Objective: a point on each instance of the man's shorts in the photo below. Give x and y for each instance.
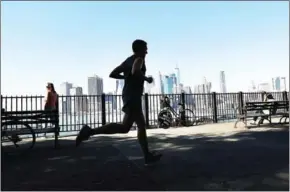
(132, 107)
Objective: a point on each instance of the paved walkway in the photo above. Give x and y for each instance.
(207, 157)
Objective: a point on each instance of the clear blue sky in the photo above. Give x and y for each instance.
(69, 41)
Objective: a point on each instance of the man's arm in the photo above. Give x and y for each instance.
(116, 73)
(137, 66)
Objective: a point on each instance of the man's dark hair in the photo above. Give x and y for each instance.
(138, 45)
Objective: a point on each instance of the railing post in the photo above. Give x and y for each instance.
(57, 117)
(241, 101)
(2, 102)
(103, 100)
(146, 109)
(284, 96)
(263, 95)
(214, 107)
(183, 107)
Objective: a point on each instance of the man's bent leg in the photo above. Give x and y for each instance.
(114, 128)
(111, 128)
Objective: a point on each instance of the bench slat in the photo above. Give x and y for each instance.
(24, 131)
(29, 112)
(28, 122)
(44, 130)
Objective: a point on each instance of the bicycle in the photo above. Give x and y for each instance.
(183, 117)
(13, 138)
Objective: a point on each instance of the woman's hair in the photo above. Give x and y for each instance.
(51, 87)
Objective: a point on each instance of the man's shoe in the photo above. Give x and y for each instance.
(15, 138)
(83, 135)
(152, 158)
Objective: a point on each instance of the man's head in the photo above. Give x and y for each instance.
(139, 47)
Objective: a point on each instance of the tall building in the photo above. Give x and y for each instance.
(111, 100)
(95, 90)
(189, 99)
(77, 99)
(168, 82)
(175, 85)
(76, 91)
(178, 76)
(273, 84)
(277, 84)
(119, 86)
(205, 89)
(118, 99)
(264, 87)
(85, 103)
(65, 88)
(161, 83)
(223, 88)
(95, 85)
(65, 102)
(283, 82)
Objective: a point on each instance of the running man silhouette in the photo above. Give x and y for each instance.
(133, 69)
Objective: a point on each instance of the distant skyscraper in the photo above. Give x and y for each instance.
(119, 86)
(161, 83)
(277, 84)
(95, 85)
(85, 103)
(189, 99)
(95, 89)
(175, 85)
(77, 99)
(178, 76)
(204, 89)
(65, 102)
(264, 87)
(283, 80)
(118, 102)
(65, 88)
(168, 84)
(110, 101)
(223, 88)
(76, 91)
(273, 84)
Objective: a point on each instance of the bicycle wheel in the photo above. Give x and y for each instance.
(189, 118)
(17, 139)
(164, 119)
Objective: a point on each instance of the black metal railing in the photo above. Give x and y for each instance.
(97, 110)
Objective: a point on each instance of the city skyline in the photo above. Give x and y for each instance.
(67, 41)
(168, 84)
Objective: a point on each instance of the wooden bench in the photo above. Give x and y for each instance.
(34, 119)
(258, 109)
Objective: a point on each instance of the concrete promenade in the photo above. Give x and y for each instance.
(205, 157)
